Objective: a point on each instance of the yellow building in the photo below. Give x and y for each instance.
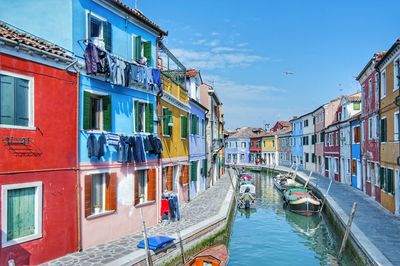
(389, 69)
(269, 148)
(173, 109)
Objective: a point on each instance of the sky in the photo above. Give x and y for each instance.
(244, 48)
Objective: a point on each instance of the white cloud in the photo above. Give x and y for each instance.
(214, 33)
(212, 43)
(198, 42)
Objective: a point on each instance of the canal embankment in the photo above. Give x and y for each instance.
(204, 221)
(375, 232)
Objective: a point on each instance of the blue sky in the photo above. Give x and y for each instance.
(243, 48)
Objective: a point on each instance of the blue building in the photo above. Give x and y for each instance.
(356, 135)
(112, 188)
(237, 146)
(297, 142)
(197, 136)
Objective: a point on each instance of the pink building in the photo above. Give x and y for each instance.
(369, 79)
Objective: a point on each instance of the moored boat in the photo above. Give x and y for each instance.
(302, 201)
(215, 256)
(283, 182)
(247, 196)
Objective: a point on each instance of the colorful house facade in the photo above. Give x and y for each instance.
(255, 148)
(332, 151)
(319, 117)
(38, 166)
(389, 69)
(269, 148)
(297, 142)
(369, 81)
(356, 169)
(309, 141)
(284, 146)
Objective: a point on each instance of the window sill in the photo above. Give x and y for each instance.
(21, 240)
(18, 127)
(145, 204)
(97, 215)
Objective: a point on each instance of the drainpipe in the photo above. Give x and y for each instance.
(78, 180)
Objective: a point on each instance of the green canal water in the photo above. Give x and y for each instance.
(272, 235)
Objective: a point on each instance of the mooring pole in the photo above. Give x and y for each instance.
(308, 180)
(327, 192)
(346, 234)
(149, 262)
(181, 244)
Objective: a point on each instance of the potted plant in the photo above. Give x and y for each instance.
(97, 208)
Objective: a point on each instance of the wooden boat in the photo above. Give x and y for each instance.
(247, 202)
(283, 182)
(301, 201)
(213, 256)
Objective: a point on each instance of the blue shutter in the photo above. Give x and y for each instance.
(7, 100)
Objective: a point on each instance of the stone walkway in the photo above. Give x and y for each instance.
(204, 206)
(381, 227)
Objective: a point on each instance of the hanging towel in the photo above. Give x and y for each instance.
(101, 142)
(112, 139)
(157, 79)
(92, 145)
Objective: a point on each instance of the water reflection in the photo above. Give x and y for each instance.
(272, 235)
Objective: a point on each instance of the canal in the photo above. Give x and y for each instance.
(272, 235)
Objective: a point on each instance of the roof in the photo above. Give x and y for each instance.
(355, 97)
(285, 123)
(375, 58)
(20, 37)
(138, 15)
(388, 53)
(243, 133)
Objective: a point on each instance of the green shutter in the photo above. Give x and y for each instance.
(183, 127)
(390, 181)
(383, 130)
(205, 168)
(170, 121)
(149, 118)
(20, 212)
(138, 47)
(193, 171)
(356, 106)
(7, 100)
(382, 177)
(165, 121)
(147, 52)
(86, 110)
(107, 113)
(136, 114)
(107, 35)
(21, 102)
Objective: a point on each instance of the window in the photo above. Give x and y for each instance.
(356, 134)
(377, 180)
(242, 157)
(273, 143)
(145, 185)
(387, 180)
(363, 131)
(383, 84)
(141, 49)
(203, 127)
(16, 100)
(336, 165)
(396, 126)
(396, 71)
(100, 193)
(326, 159)
(243, 145)
(144, 117)
(101, 29)
(313, 158)
(322, 136)
(306, 155)
(356, 106)
(193, 171)
(370, 128)
(229, 157)
(306, 123)
(184, 127)
(168, 122)
(369, 171)
(97, 112)
(337, 139)
(383, 129)
(194, 124)
(348, 166)
(21, 213)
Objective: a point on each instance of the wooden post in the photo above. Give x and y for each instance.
(327, 192)
(346, 234)
(181, 244)
(149, 262)
(308, 180)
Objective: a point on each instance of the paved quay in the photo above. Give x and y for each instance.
(194, 215)
(374, 228)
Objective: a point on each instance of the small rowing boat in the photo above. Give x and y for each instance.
(213, 256)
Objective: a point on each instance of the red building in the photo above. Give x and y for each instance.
(332, 151)
(369, 80)
(38, 166)
(280, 125)
(255, 148)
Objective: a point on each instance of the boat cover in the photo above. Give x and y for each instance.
(156, 242)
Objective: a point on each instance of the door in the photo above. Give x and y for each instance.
(359, 175)
(343, 171)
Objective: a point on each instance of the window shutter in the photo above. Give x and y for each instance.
(107, 35)
(136, 196)
(138, 48)
(86, 110)
(193, 171)
(170, 121)
(136, 116)
(390, 180)
(21, 105)
(149, 118)
(382, 177)
(185, 175)
(111, 192)
(88, 195)
(147, 52)
(7, 100)
(205, 168)
(107, 113)
(169, 178)
(151, 184)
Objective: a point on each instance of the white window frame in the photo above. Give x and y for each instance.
(396, 126)
(383, 84)
(146, 179)
(38, 212)
(87, 12)
(31, 100)
(144, 117)
(104, 185)
(395, 83)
